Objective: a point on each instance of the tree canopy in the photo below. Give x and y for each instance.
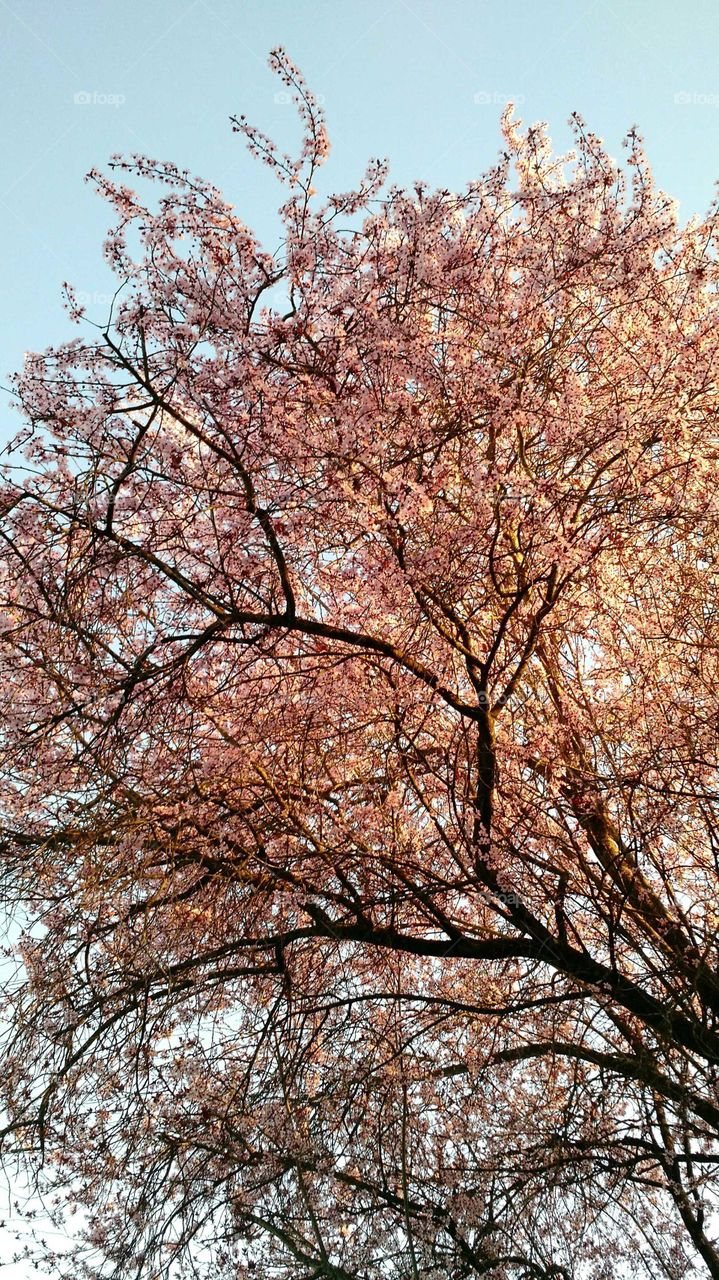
(358, 762)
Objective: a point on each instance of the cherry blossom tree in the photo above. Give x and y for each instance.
(360, 697)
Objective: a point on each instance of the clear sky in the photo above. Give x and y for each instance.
(421, 81)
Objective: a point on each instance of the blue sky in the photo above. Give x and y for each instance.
(421, 81)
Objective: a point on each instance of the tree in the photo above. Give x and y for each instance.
(359, 725)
